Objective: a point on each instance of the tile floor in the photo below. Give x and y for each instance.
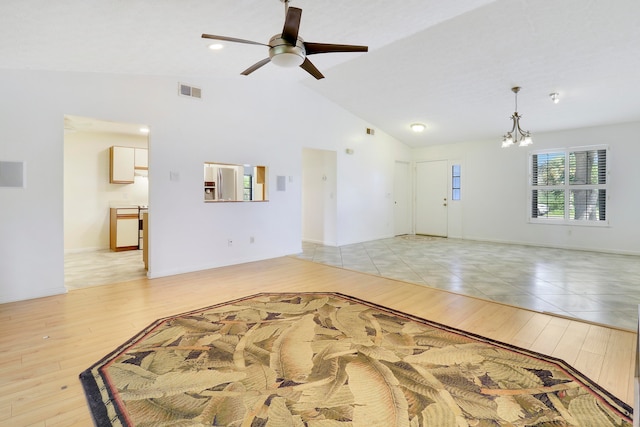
(84, 269)
(603, 288)
(597, 287)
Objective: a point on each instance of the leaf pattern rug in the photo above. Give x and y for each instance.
(331, 360)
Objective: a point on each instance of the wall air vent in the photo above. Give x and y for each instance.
(191, 91)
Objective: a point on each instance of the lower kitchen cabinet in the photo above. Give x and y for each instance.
(124, 233)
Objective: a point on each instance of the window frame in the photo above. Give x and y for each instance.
(567, 187)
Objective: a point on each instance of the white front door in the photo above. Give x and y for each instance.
(401, 200)
(431, 198)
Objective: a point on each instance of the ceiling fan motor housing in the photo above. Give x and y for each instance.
(284, 54)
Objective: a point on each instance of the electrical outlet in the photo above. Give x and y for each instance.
(229, 242)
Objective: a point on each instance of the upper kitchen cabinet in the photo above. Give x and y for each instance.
(124, 163)
(141, 159)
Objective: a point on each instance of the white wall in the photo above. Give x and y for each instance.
(365, 187)
(88, 195)
(494, 190)
(239, 120)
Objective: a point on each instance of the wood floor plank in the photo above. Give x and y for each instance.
(546, 343)
(39, 382)
(531, 331)
(597, 339)
(571, 342)
(619, 354)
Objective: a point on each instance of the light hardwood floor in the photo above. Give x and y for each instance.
(46, 343)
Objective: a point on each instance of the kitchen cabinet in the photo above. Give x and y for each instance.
(125, 162)
(124, 229)
(122, 165)
(141, 159)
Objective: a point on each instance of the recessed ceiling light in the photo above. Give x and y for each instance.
(216, 46)
(144, 130)
(417, 127)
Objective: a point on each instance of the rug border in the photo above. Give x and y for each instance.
(89, 384)
(99, 410)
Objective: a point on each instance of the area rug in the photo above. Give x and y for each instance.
(331, 360)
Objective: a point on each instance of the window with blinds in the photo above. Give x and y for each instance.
(569, 185)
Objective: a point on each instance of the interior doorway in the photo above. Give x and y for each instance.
(319, 194)
(89, 196)
(431, 198)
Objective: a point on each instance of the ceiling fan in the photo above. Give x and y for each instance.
(290, 50)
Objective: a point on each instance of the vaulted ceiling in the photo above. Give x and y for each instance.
(449, 65)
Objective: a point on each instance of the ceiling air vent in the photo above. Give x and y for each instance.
(186, 90)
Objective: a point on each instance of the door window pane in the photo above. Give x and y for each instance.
(455, 182)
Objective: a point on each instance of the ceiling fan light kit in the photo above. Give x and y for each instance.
(285, 55)
(288, 49)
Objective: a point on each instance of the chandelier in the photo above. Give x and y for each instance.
(516, 134)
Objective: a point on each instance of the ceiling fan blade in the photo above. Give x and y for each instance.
(231, 39)
(292, 25)
(255, 66)
(311, 69)
(314, 48)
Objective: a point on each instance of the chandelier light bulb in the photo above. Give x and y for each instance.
(507, 141)
(526, 141)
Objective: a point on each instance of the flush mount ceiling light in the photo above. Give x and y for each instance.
(555, 97)
(417, 127)
(144, 130)
(516, 134)
(216, 46)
